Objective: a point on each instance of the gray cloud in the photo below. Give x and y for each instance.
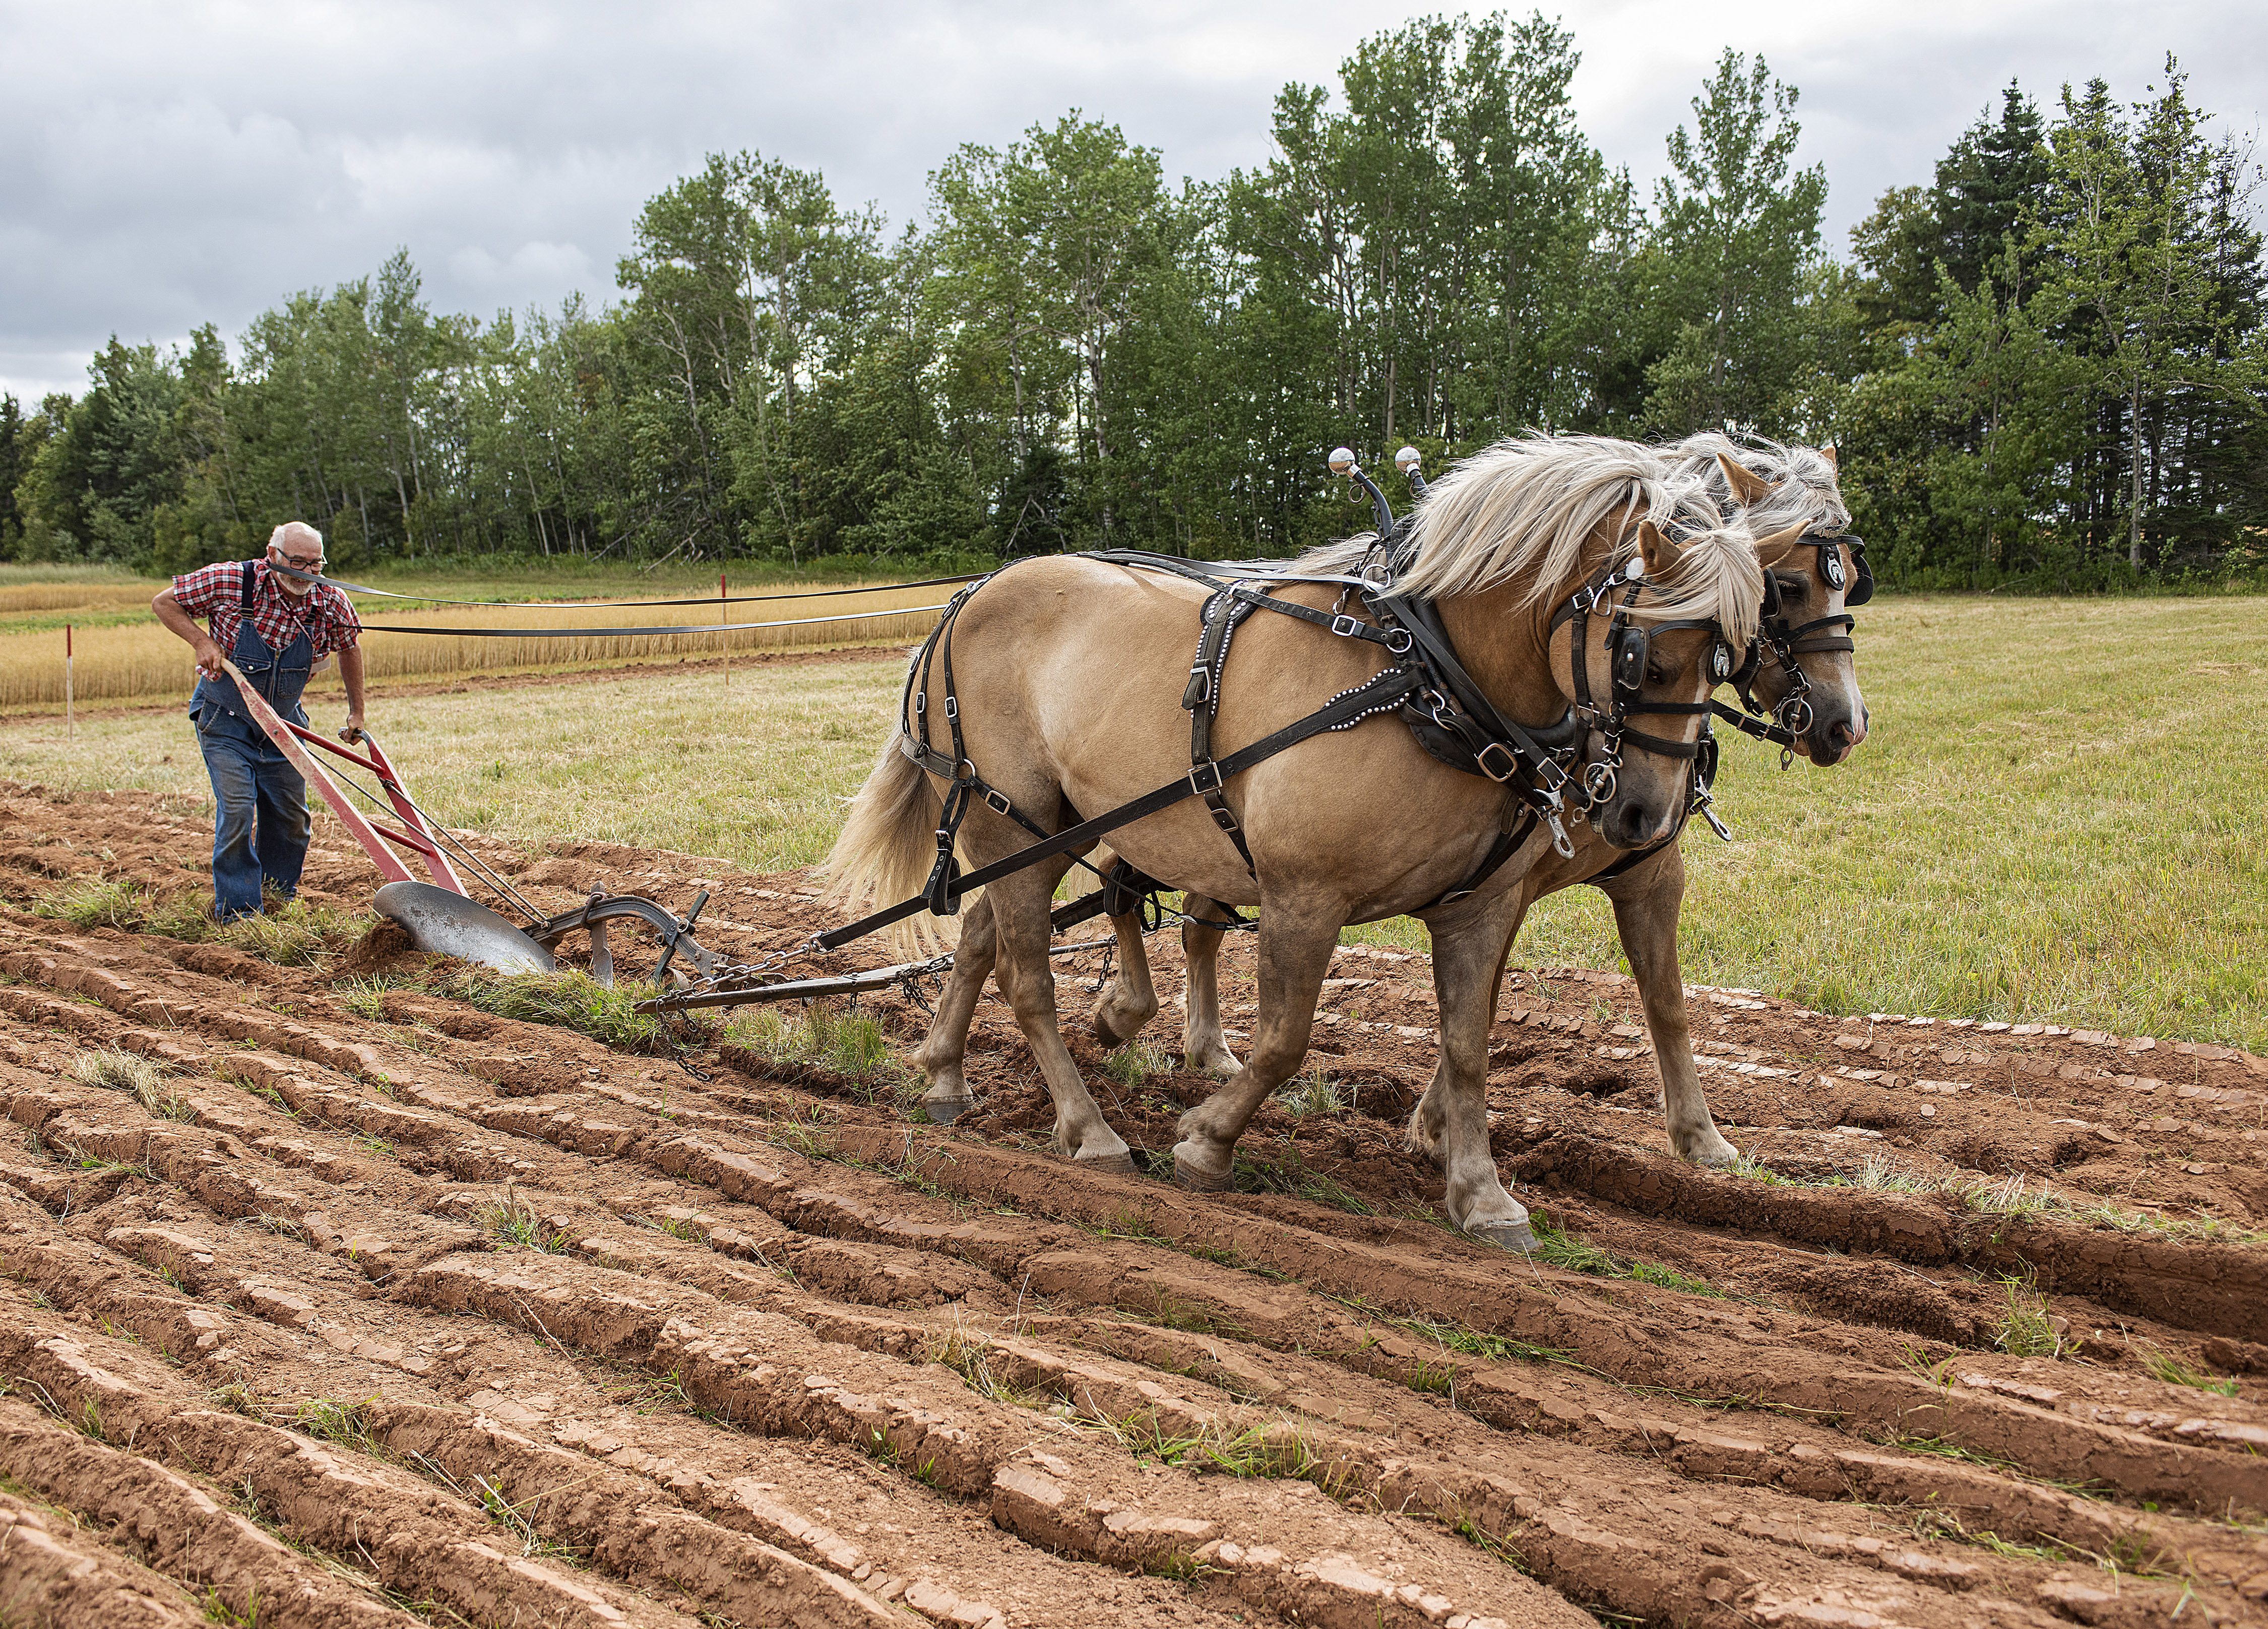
(172, 164)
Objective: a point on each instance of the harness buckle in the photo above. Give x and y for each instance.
(1223, 819)
(953, 707)
(1345, 626)
(1199, 787)
(1508, 755)
(1199, 692)
(1399, 641)
(998, 801)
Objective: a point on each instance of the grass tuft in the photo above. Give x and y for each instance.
(840, 1041)
(1314, 1091)
(116, 1071)
(513, 1220)
(569, 998)
(2175, 1370)
(1134, 1062)
(1571, 1253)
(2021, 1327)
(96, 902)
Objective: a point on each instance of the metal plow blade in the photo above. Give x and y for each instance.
(455, 925)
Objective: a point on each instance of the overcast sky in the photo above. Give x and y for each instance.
(171, 164)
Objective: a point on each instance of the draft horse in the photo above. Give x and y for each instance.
(1065, 679)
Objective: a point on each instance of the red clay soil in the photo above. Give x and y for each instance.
(365, 1306)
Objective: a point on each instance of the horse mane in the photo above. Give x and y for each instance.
(1524, 509)
(1806, 487)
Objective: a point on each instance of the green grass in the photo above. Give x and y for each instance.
(840, 1041)
(116, 1071)
(2055, 818)
(569, 998)
(1571, 1253)
(512, 1220)
(2175, 1370)
(2021, 1326)
(288, 933)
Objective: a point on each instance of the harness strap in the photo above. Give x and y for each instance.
(1202, 697)
(1343, 711)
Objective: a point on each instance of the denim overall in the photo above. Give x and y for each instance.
(260, 822)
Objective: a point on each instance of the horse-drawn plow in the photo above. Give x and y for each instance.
(489, 1321)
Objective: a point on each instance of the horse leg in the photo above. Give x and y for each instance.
(1451, 1119)
(1203, 1047)
(1295, 953)
(946, 1044)
(1131, 1000)
(1020, 913)
(1647, 902)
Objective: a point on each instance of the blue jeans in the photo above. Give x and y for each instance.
(260, 824)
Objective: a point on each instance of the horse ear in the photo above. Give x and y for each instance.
(1771, 550)
(1659, 553)
(1828, 453)
(1746, 485)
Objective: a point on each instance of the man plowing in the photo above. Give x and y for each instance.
(272, 620)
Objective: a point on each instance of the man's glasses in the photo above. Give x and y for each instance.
(297, 564)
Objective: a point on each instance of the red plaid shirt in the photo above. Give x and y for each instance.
(217, 591)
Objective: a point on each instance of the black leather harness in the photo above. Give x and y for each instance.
(1791, 717)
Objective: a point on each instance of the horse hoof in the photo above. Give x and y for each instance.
(944, 1111)
(1119, 1165)
(1507, 1236)
(1202, 1181)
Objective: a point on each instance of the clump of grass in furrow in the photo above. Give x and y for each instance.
(289, 933)
(115, 1070)
(1314, 1091)
(365, 998)
(569, 998)
(1292, 1176)
(2175, 1370)
(513, 1220)
(2011, 1196)
(1278, 1450)
(96, 902)
(971, 1357)
(2021, 1327)
(1134, 1062)
(842, 1042)
(1572, 1253)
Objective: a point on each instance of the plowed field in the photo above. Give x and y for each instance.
(371, 1306)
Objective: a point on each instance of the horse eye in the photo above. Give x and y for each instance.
(1655, 675)
(1793, 588)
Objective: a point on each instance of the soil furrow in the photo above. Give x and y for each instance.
(1974, 1343)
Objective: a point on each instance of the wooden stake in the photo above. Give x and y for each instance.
(724, 641)
(70, 723)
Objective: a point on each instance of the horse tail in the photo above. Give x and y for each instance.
(888, 847)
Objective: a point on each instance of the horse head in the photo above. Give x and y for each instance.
(1638, 649)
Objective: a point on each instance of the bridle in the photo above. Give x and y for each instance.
(1615, 591)
(1791, 717)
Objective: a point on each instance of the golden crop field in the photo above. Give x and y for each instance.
(122, 654)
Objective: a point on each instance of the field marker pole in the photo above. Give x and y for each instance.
(70, 723)
(724, 609)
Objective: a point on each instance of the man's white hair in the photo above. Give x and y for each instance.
(294, 531)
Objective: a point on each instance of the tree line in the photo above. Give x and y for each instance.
(2048, 367)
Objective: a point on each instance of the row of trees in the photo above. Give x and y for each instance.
(2046, 366)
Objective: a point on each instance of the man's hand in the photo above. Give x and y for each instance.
(207, 655)
(352, 733)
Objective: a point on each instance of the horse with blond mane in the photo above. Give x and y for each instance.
(1066, 677)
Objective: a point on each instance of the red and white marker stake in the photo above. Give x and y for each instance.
(70, 724)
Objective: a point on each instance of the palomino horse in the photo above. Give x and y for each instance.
(1069, 674)
(1791, 493)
